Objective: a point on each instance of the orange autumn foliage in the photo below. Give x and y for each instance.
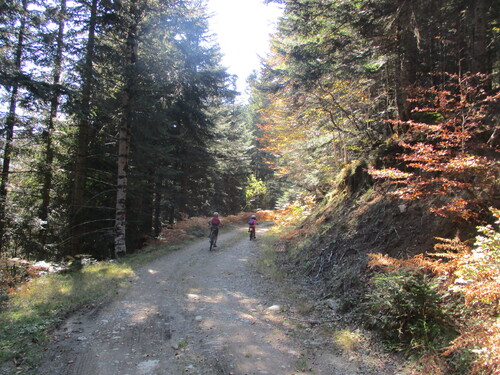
(446, 157)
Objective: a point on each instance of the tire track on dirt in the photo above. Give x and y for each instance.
(192, 312)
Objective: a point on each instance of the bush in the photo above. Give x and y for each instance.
(404, 307)
(406, 303)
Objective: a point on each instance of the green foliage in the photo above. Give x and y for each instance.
(427, 117)
(463, 293)
(255, 192)
(348, 340)
(480, 270)
(374, 66)
(405, 308)
(476, 280)
(338, 85)
(232, 151)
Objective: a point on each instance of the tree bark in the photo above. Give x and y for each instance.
(406, 56)
(125, 135)
(47, 134)
(121, 186)
(479, 53)
(157, 207)
(9, 125)
(80, 169)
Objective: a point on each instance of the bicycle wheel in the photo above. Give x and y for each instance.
(212, 240)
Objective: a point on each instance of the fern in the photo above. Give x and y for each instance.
(465, 275)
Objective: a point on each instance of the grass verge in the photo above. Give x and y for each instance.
(267, 264)
(37, 307)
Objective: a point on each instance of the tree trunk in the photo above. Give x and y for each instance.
(9, 125)
(406, 57)
(121, 186)
(77, 199)
(171, 214)
(47, 134)
(479, 53)
(125, 135)
(146, 223)
(157, 208)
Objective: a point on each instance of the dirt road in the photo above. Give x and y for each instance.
(199, 312)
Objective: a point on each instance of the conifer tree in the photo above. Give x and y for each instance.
(83, 133)
(10, 121)
(47, 134)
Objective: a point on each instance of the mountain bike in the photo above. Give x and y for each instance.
(251, 230)
(214, 232)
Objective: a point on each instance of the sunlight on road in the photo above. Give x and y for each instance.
(139, 313)
(234, 319)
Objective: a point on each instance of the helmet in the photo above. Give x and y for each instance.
(216, 214)
(253, 217)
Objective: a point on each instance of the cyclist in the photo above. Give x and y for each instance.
(252, 224)
(214, 224)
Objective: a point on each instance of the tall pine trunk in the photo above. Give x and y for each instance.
(479, 54)
(121, 186)
(10, 124)
(406, 56)
(125, 134)
(157, 206)
(47, 134)
(80, 169)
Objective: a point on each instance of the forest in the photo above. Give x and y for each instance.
(119, 119)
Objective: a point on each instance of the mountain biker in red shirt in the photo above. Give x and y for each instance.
(214, 224)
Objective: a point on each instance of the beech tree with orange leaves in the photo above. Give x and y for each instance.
(447, 154)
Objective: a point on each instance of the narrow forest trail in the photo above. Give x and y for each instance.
(198, 312)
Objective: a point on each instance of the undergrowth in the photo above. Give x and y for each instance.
(463, 288)
(404, 306)
(348, 340)
(267, 263)
(442, 308)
